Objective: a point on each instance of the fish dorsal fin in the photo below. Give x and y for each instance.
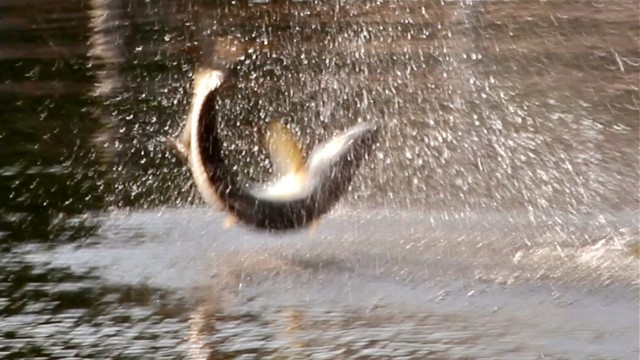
(285, 152)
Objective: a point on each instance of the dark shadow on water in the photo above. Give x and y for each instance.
(77, 314)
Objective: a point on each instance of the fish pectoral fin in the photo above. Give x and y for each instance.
(229, 221)
(313, 227)
(178, 147)
(284, 150)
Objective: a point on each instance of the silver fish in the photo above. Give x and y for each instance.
(302, 191)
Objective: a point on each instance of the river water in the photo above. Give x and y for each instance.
(498, 218)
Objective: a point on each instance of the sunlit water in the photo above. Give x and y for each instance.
(498, 218)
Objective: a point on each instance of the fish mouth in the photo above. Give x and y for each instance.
(295, 199)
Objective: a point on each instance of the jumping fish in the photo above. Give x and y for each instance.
(301, 192)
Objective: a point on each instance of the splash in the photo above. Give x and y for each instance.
(482, 110)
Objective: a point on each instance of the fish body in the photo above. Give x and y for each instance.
(302, 191)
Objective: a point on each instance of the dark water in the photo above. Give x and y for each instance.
(499, 219)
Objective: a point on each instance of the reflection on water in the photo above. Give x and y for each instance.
(505, 187)
(194, 289)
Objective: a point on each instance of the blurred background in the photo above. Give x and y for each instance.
(499, 216)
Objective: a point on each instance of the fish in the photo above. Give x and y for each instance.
(302, 190)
